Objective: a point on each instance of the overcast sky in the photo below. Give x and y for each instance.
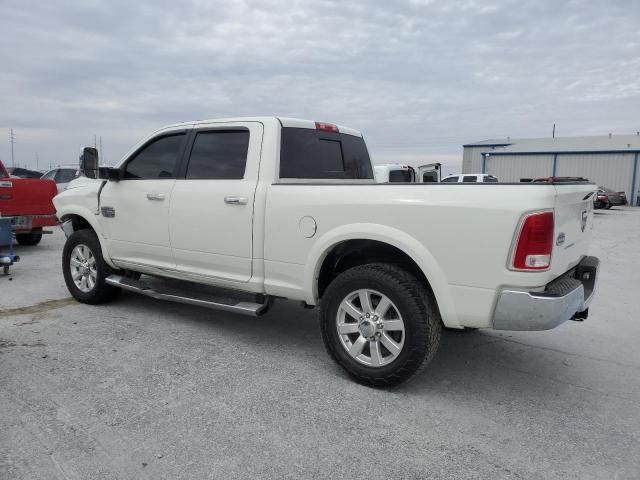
(418, 77)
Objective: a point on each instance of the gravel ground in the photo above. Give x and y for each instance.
(145, 389)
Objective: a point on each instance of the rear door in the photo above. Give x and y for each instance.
(211, 217)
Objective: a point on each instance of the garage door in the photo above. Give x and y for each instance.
(511, 168)
(614, 171)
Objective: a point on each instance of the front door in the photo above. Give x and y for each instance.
(211, 217)
(134, 212)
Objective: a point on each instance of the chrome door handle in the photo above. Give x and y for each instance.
(155, 196)
(232, 200)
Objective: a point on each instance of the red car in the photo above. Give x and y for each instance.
(29, 202)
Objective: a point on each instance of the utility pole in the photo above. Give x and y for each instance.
(12, 140)
(553, 134)
(100, 156)
(37, 161)
(95, 141)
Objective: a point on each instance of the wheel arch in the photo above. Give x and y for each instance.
(371, 242)
(82, 219)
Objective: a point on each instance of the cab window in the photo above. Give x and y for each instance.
(453, 179)
(157, 159)
(219, 154)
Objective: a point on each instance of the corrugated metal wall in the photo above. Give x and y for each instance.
(611, 170)
(472, 159)
(511, 168)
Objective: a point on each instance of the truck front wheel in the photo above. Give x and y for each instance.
(380, 324)
(85, 270)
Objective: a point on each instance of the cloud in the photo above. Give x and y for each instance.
(419, 78)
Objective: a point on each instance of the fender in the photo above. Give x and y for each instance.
(90, 216)
(394, 237)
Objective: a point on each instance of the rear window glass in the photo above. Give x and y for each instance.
(489, 178)
(65, 175)
(308, 153)
(399, 176)
(469, 178)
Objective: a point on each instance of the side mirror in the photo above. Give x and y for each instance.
(89, 162)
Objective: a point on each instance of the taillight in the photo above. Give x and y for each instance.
(622, 194)
(535, 242)
(327, 127)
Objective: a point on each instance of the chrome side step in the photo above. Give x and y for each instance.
(241, 307)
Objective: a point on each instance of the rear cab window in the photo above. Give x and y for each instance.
(306, 153)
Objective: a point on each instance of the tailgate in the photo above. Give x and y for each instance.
(27, 196)
(573, 224)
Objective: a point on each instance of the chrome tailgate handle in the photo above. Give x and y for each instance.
(233, 200)
(155, 196)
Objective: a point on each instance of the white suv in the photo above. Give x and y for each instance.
(469, 178)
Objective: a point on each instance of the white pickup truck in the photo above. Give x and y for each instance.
(233, 213)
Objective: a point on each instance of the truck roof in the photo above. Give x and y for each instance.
(284, 121)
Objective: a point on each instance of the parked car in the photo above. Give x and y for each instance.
(469, 178)
(601, 201)
(396, 173)
(613, 197)
(63, 176)
(29, 203)
(275, 208)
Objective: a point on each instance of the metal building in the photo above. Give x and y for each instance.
(610, 160)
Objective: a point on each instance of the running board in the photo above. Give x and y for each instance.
(240, 307)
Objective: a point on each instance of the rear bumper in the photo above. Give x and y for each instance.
(30, 222)
(567, 297)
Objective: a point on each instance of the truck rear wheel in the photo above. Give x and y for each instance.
(28, 239)
(85, 270)
(380, 324)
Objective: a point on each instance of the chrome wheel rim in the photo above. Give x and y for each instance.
(370, 328)
(83, 268)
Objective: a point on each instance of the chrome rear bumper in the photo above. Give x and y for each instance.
(567, 297)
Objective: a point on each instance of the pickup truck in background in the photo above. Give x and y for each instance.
(29, 201)
(397, 173)
(234, 213)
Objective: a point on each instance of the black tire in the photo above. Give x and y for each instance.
(413, 300)
(28, 239)
(101, 291)
(609, 205)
